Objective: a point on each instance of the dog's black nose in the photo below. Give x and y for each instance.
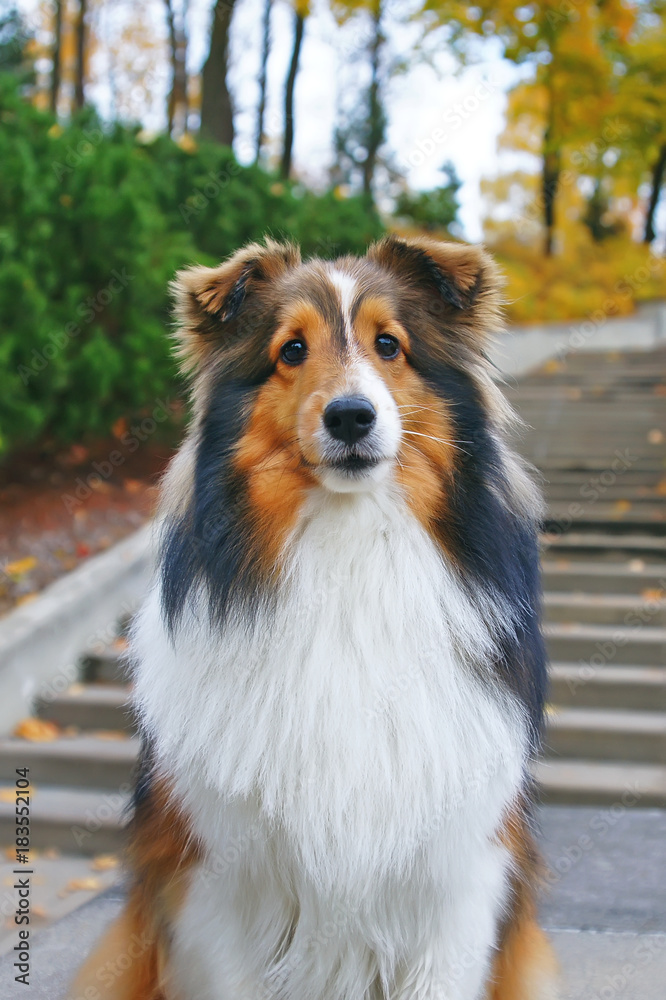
(349, 418)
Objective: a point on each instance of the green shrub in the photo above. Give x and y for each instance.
(93, 224)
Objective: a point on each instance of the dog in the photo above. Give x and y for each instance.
(339, 671)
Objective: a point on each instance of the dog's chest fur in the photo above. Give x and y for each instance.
(350, 741)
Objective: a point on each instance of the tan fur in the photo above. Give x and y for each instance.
(130, 962)
(525, 966)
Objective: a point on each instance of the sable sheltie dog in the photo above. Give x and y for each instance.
(339, 671)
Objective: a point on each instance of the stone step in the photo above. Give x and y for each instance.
(598, 463)
(81, 761)
(90, 706)
(602, 544)
(630, 576)
(592, 519)
(73, 820)
(584, 493)
(107, 667)
(604, 609)
(620, 784)
(642, 645)
(606, 734)
(582, 516)
(574, 685)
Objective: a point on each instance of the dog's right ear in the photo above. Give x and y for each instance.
(209, 300)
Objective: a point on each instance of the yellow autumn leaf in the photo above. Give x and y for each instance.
(26, 599)
(187, 143)
(87, 884)
(37, 730)
(621, 506)
(104, 863)
(20, 566)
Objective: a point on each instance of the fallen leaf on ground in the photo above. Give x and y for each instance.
(39, 911)
(119, 427)
(655, 436)
(88, 884)
(653, 594)
(52, 853)
(37, 730)
(20, 566)
(621, 506)
(109, 734)
(104, 863)
(8, 795)
(26, 598)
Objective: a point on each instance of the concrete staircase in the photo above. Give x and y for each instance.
(82, 780)
(596, 433)
(604, 574)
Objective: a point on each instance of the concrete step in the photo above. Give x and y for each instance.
(632, 576)
(90, 706)
(585, 493)
(73, 820)
(604, 609)
(106, 667)
(603, 783)
(574, 685)
(600, 644)
(602, 544)
(606, 734)
(609, 516)
(80, 761)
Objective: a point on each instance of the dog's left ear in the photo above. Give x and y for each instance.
(462, 281)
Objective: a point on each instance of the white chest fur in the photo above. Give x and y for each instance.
(350, 748)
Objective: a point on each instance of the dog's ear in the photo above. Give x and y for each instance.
(461, 281)
(209, 300)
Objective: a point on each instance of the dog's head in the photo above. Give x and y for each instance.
(339, 359)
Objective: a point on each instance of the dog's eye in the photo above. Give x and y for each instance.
(387, 346)
(294, 352)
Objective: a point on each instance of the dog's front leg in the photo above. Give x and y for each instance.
(455, 960)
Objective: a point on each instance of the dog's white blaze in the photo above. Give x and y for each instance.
(345, 286)
(346, 764)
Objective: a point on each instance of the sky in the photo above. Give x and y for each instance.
(436, 111)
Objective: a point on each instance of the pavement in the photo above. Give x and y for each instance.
(604, 909)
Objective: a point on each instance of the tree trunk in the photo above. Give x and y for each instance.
(287, 150)
(265, 49)
(658, 173)
(549, 182)
(173, 54)
(217, 120)
(79, 69)
(550, 171)
(57, 52)
(375, 109)
(178, 57)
